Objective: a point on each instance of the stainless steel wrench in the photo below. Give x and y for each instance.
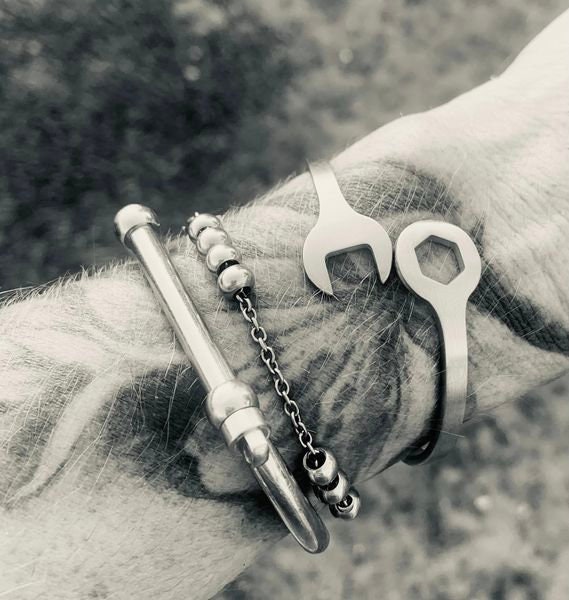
(449, 304)
(339, 229)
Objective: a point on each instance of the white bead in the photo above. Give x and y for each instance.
(333, 495)
(199, 222)
(234, 279)
(326, 471)
(352, 508)
(219, 254)
(209, 237)
(227, 398)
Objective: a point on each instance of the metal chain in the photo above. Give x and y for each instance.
(282, 386)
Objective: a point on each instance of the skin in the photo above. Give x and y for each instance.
(112, 482)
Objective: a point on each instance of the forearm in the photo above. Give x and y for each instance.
(96, 385)
(108, 461)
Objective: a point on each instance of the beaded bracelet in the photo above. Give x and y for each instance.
(330, 483)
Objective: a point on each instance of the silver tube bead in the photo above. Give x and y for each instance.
(209, 237)
(235, 278)
(219, 254)
(333, 495)
(349, 507)
(199, 222)
(326, 471)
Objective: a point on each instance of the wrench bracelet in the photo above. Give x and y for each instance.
(232, 406)
(340, 228)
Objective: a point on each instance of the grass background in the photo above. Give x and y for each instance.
(195, 104)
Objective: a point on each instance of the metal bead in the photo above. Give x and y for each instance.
(333, 495)
(227, 398)
(235, 278)
(352, 508)
(327, 470)
(199, 222)
(209, 237)
(219, 254)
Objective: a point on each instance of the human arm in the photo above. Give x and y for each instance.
(110, 474)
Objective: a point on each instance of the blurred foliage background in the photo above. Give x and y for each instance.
(195, 104)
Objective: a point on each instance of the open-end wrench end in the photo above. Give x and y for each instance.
(381, 249)
(367, 234)
(340, 229)
(317, 271)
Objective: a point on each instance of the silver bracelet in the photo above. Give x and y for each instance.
(232, 406)
(331, 485)
(448, 301)
(340, 229)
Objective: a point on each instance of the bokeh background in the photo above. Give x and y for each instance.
(195, 104)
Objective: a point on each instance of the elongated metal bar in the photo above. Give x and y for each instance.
(191, 332)
(136, 227)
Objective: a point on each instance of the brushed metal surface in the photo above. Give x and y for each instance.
(448, 302)
(339, 229)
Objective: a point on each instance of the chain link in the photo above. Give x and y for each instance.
(282, 386)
